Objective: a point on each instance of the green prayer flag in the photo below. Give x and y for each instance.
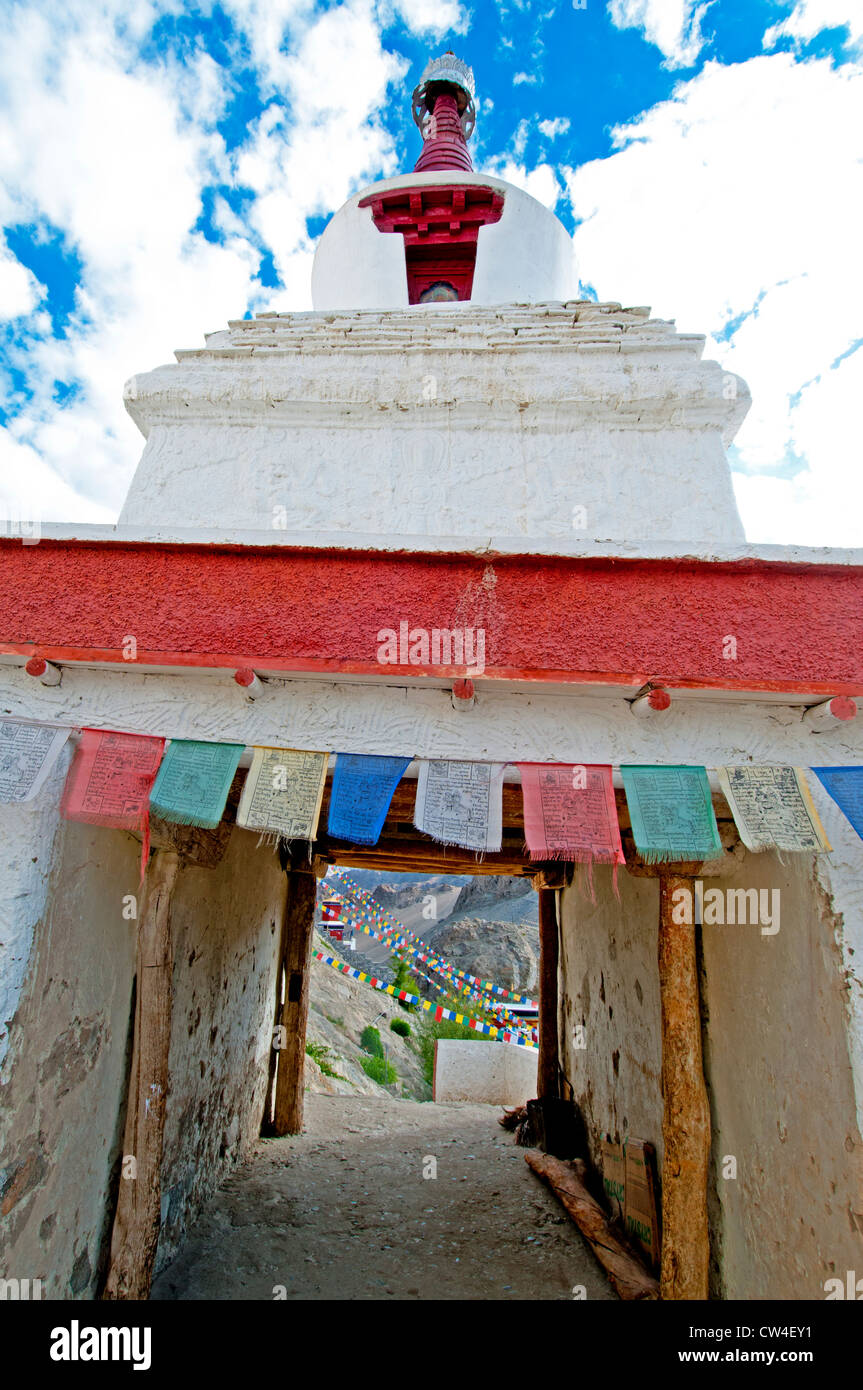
(671, 813)
(193, 782)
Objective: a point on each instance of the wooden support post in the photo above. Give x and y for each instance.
(297, 960)
(686, 1113)
(548, 1071)
(267, 1123)
(135, 1233)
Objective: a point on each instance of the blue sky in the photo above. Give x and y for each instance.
(169, 165)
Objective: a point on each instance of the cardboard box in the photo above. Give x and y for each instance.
(613, 1176)
(640, 1215)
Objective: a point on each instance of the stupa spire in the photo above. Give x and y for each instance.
(443, 108)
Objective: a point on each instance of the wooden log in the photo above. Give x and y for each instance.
(628, 1279)
(685, 1251)
(135, 1232)
(548, 1066)
(297, 962)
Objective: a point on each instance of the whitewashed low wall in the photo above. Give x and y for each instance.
(492, 1072)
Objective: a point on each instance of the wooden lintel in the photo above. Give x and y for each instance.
(419, 859)
(639, 868)
(556, 875)
(733, 854)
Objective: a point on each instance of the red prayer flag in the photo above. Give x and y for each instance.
(570, 812)
(110, 780)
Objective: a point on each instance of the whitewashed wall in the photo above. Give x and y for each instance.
(557, 421)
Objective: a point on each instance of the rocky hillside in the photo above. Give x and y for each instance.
(340, 1008)
(486, 924)
(505, 952)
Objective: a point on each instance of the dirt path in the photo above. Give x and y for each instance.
(343, 1212)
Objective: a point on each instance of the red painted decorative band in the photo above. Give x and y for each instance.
(750, 625)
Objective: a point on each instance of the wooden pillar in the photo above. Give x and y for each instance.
(548, 1070)
(296, 962)
(135, 1233)
(686, 1113)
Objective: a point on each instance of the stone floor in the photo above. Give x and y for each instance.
(343, 1211)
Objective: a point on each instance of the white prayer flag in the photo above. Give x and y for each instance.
(773, 808)
(283, 792)
(27, 754)
(461, 803)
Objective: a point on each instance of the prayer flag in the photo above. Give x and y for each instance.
(773, 808)
(845, 785)
(461, 803)
(28, 752)
(570, 812)
(283, 792)
(671, 812)
(363, 787)
(110, 779)
(110, 782)
(193, 782)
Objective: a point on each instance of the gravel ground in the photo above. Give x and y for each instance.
(343, 1211)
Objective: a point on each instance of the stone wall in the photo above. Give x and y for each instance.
(62, 1103)
(226, 924)
(489, 1073)
(610, 991)
(517, 422)
(778, 1039)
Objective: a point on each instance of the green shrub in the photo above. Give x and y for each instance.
(398, 1025)
(321, 1054)
(370, 1041)
(402, 979)
(379, 1070)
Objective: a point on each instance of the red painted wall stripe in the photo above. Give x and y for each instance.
(603, 620)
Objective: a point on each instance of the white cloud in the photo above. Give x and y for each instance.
(115, 153)
(674, 26)
(102, 152)
(541, 183)
(31, 490)
(337, 83)
(521, 78)
(20, 291)
(823, 503)
(436, 17)
(558, 126)
(811, 17)
(737, 204)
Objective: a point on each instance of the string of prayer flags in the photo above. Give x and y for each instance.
(362, 789)
(671, 812)
(570, 812)
(845, 785)
(194, 780)
(461, 803)
(773, 808)
(27, 754)
(368, 909)
(359, 906)
(110, 781)
(437, 1011)
(283, 792)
